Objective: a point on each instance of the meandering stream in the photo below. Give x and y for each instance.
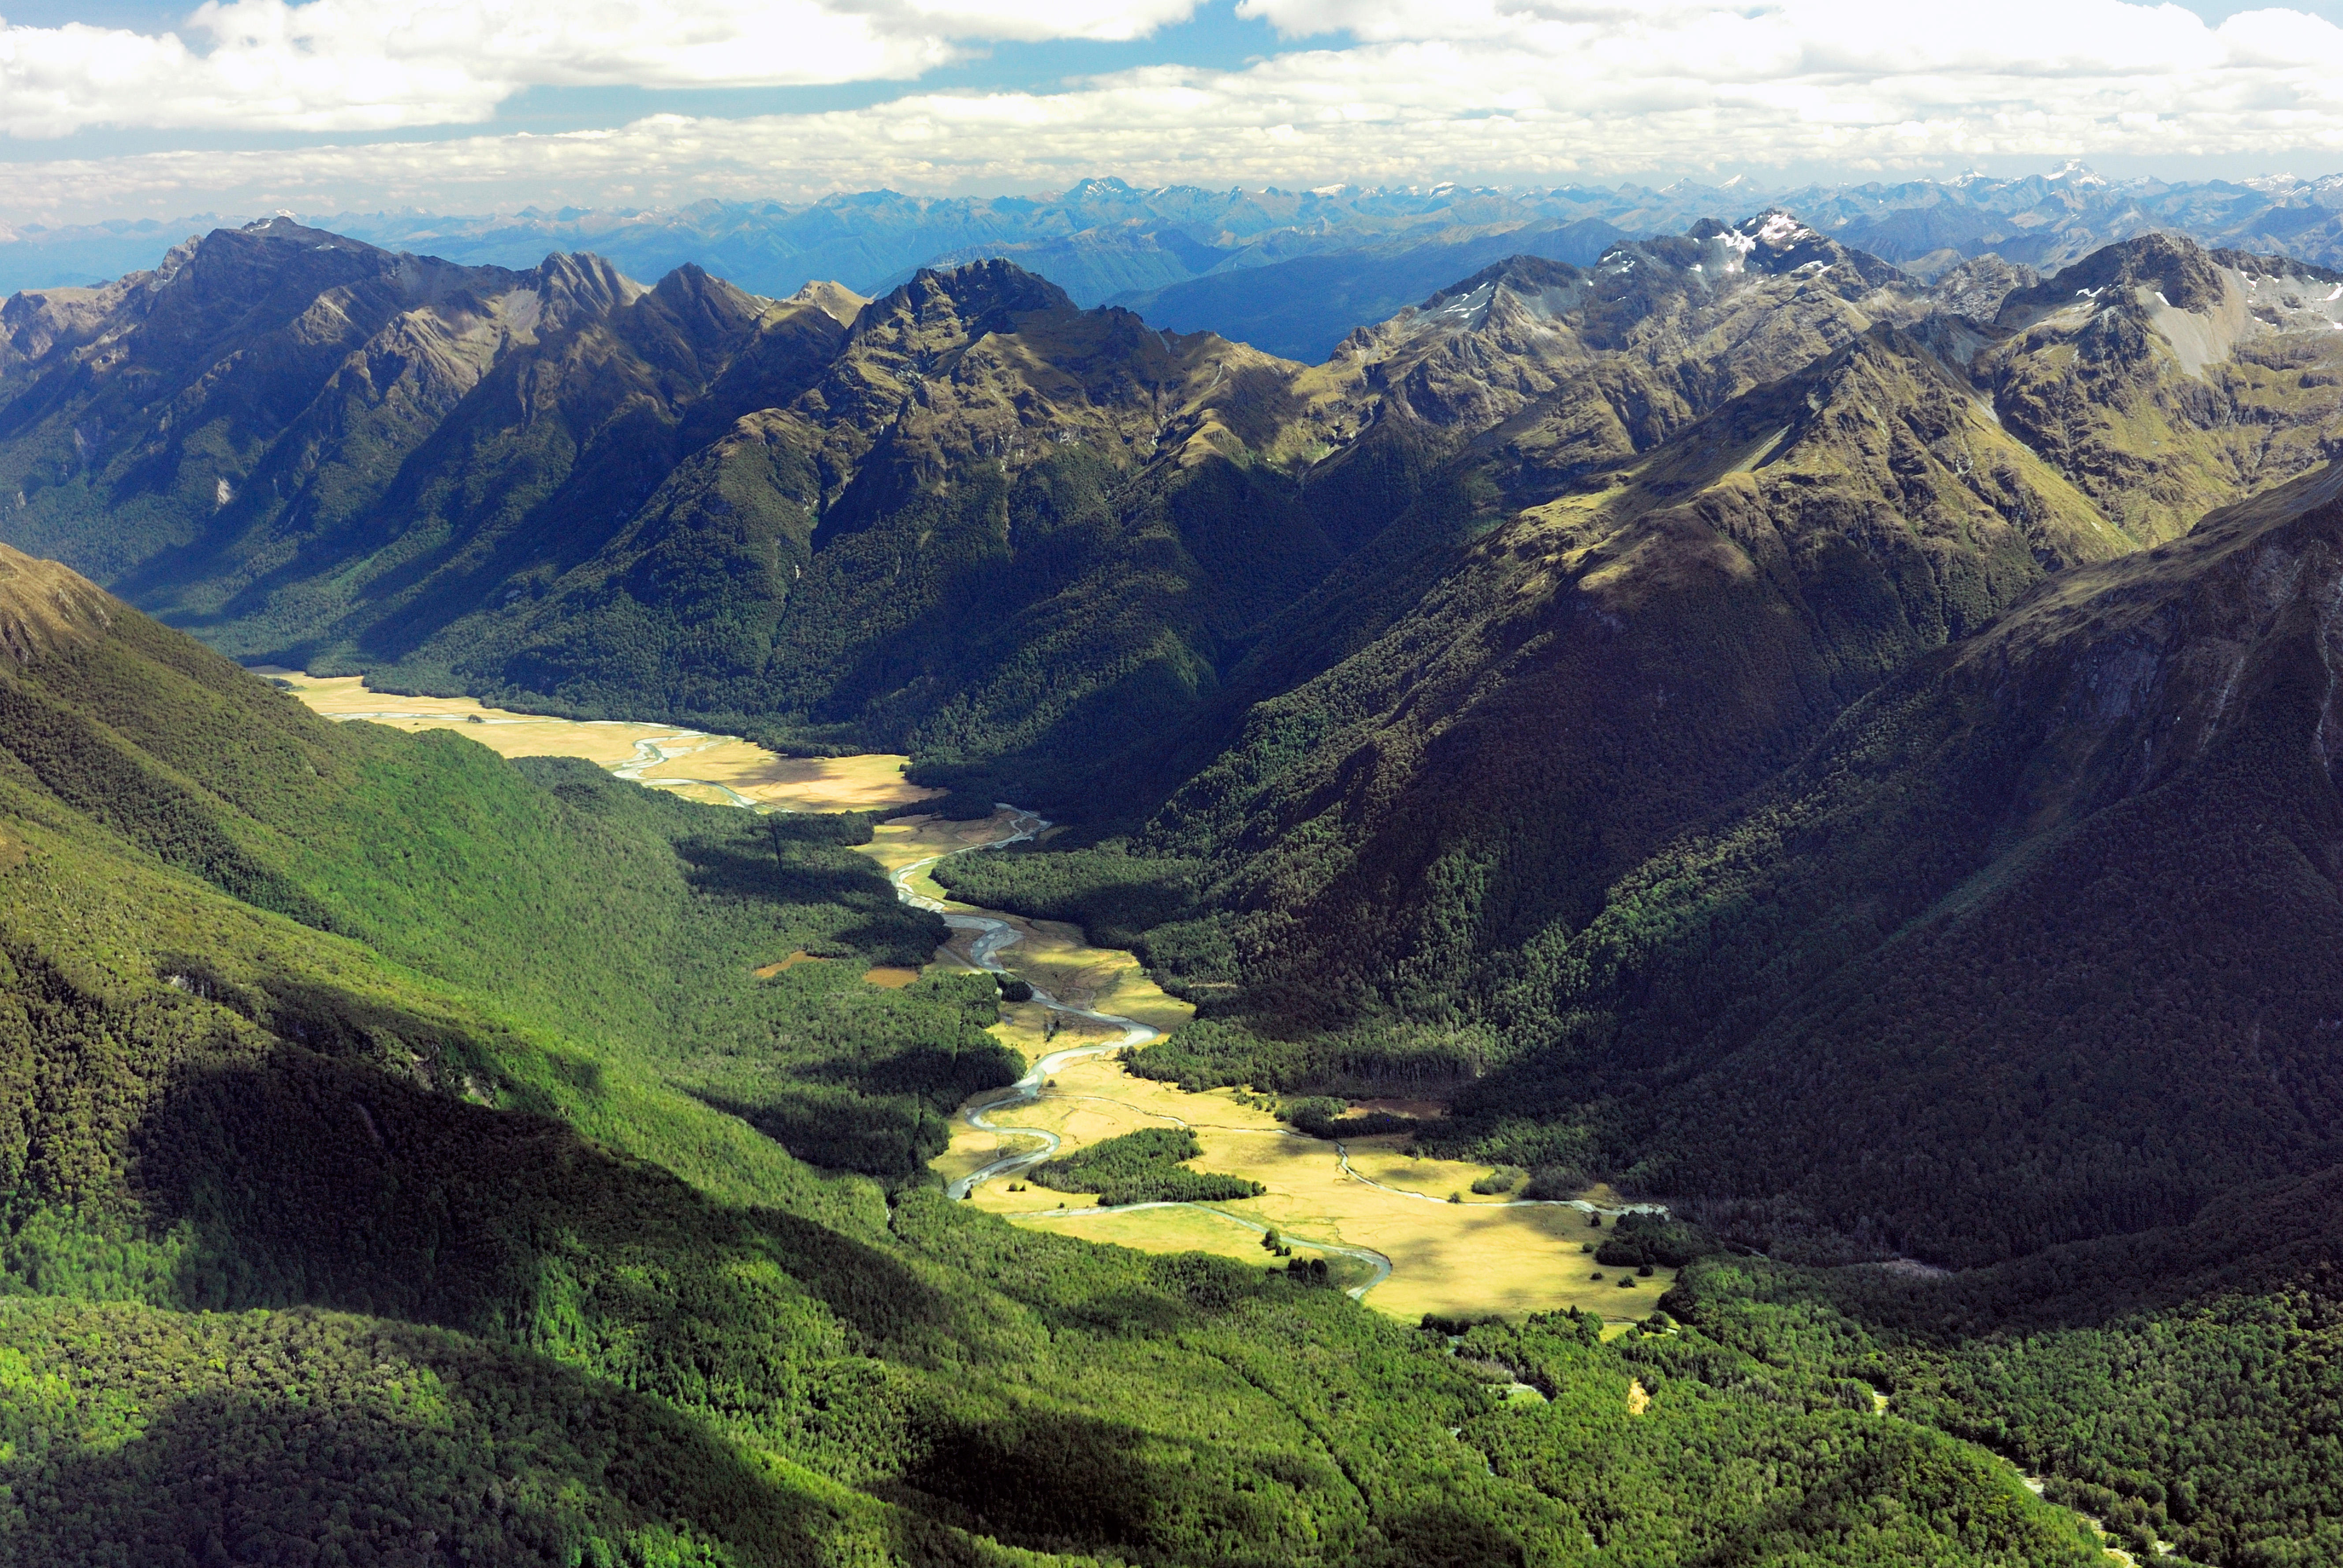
(992, 936)
(649, 754)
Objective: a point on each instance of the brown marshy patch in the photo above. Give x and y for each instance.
(766, 971)
(888, 977)
(1421, 1110)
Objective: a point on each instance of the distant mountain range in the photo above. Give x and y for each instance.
(1287, 271)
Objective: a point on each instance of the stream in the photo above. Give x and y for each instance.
(649, 754)
(992, 936)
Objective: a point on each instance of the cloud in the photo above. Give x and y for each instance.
(1400, 93)
(364, 65)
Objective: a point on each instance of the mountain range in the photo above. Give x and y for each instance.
(1287, 271)
(1836, 739)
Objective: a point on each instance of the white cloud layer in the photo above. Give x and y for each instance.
(1416, 90)
(361, 64)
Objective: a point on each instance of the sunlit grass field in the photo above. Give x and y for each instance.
(1476, 1255)
(870, 782)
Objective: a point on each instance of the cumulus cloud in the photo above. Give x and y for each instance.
(360, 64)
(1408, 92)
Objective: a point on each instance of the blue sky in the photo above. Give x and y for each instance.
(469, 105)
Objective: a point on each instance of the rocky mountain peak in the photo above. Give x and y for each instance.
(978, 296)
(579, 285)
(2171, 264)
(1977, 288)
(837, 301)
(705, 306)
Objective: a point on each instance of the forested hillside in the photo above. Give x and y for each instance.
(401, 1165)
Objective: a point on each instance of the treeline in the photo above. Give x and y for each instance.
(1392, 1058)
(1152, 906)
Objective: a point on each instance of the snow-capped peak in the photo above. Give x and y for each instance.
(1775, 229)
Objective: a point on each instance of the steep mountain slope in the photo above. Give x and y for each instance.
(210, 771)
(1599, 672)
(134, 412)
(776, 517)
(2165, 381)
(994, 524)
(542, 461)
(1505, 387)
(718, 497)
(2041, 931)
(1420, 778)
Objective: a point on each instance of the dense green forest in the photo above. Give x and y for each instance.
(403, 1164)
(2181, 1383)
(1149, 1166)
(2018, 961)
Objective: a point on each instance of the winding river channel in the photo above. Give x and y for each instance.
(992, 936)
(1444, 1255)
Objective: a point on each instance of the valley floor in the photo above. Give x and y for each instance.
(716, 770)
(1449, 1250)
(1473, 1255)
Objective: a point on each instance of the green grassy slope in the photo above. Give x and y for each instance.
(605, 913)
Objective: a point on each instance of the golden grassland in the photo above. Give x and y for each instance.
(709, 767)
(907, 839)
(1047, 953)
(1476, 1255)
(872, 782)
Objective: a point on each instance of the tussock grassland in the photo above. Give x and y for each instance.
(1479, 1255)
(870, 782)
